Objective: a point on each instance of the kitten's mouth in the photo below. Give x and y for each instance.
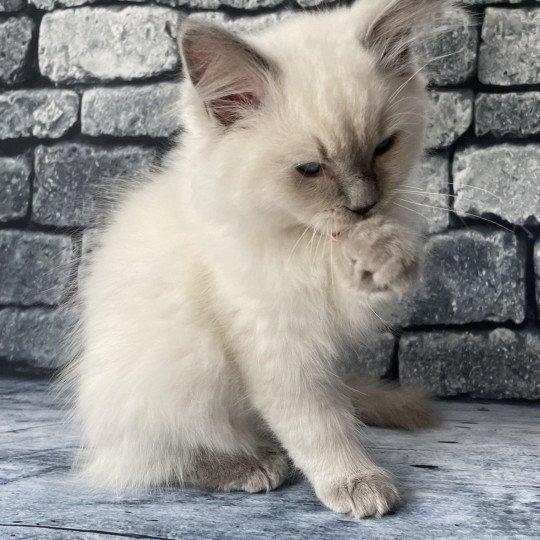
(339, 234)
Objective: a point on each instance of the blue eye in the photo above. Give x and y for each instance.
(384, 146)
(310, 169)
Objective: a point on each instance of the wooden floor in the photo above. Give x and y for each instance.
(476, 477)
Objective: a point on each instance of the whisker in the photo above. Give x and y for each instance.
(311, 242)
(306, 229)
(440, 57)
(406, 131)
(462, 213)
(433, 194)
(415, 212)
(418, 192)
(481, 189)
(386, 323)
(331, 259)
(469, 186)
(317, 247)
(409, 113)
(406, 98)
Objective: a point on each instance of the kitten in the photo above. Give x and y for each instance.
(225, 288)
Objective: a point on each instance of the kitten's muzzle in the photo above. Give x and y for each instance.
(362, 210)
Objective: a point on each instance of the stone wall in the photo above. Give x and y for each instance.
(86, 90)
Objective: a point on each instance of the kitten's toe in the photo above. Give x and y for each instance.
(398, 274)
(369, 493)
(264, 471)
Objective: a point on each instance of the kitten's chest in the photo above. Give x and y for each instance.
(307, 308)
(268, 296)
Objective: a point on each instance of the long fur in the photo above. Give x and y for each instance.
(224, 288)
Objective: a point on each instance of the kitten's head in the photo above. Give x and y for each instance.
(314, 122)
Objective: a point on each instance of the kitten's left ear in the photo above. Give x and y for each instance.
(391, 31)
(230, 76)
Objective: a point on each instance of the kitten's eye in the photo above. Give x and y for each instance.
(310, 169)
(383, 147)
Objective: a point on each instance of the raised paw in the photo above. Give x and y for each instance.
(383, 256)
(370, 493)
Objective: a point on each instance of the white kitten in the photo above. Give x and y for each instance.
(226, 286)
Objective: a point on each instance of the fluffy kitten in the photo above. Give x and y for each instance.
(225, 287)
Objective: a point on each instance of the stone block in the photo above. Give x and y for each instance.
(34, 336)
(248, 5)
(450, 117)
(15, 187)
(469, 275)
(49, 5)
(16, 34)
(451, 55)
(313, 3)
(537, 273)
(496, 364)
(241, 24)
(43, 113)
(513, 114)
(74, 182)
(510, 49)
(430, 197)
(150, 110)
(498, 181)
(8, 6)
(35, 268)
(108, 43)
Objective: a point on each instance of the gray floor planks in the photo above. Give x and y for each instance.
(476, 477)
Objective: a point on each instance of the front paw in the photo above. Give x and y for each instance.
(384, 257)
(370, 493)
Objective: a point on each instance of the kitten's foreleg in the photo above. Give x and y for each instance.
(382, 256)
(315, 423)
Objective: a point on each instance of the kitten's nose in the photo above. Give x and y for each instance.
(361, 194)
(362, 210)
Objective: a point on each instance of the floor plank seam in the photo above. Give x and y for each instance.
(89, 531)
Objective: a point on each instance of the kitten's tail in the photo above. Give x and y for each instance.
(391, 406)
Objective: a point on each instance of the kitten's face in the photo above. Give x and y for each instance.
(335, 147)
(317, 131)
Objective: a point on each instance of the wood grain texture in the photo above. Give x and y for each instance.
(476, 477)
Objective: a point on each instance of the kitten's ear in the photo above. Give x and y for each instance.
(391, 33)
(229, 75)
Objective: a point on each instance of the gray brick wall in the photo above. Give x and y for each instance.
(86, 90)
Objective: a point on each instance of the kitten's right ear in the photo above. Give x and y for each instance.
(229, 75)
(394, 25)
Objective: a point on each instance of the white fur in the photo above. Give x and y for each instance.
(217, 302)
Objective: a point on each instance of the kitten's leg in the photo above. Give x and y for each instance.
(386, 405)
(383, 256)
(264, 470)
(153, 419)
(315, 423)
